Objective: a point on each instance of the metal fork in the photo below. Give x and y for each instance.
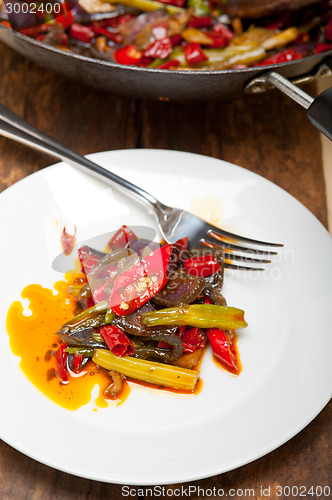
(174, 223)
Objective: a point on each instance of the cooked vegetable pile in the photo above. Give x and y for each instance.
(147, 312)
(192, 34)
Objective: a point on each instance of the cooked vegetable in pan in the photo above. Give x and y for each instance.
(143, 311)
(190, 34)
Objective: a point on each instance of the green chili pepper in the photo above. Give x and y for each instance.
(200, 315)
(90, 318)
(110, 315)
(83, 351)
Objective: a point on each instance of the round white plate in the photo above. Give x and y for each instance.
(157, 438)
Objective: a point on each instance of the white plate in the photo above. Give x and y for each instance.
(159, 438)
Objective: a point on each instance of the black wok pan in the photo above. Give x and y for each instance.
(174, 85)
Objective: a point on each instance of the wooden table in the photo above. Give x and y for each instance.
(268, 135)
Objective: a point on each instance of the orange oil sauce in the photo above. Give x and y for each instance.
(33, 338)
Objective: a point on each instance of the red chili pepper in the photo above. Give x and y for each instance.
(78, 358)
(176, 40)
(322, 47)
(201, 266)
(90, 302)
(173, 63)
(181, 245)
(128, 56)
(218, 40)
(36, 30)
(224, 348)
(122, 19)
(159, 49)
(82, 33)
(221, 29)
(200, 22)
(68, 241)
(178, 248)
(87, 259)
(114, 37)
(280, 57)
(65, 19)
(117, 341)
(193, 339)
(101, 292)
(194, 53)
(122, 238)
(140, 283)
(178, 3)
(61, 360)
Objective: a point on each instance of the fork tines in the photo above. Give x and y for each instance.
(231, 250)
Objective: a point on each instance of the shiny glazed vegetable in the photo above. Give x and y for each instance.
(129, 332)
(190, 34)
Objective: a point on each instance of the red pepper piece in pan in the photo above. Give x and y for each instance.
(280, 57)
(322, 47)
(223, 348)
(66, 19)
(177, 3)
(122, 237)
(114, 37)
(203, 266)
(61, 361)
(218, 40)
(173, 63)
(159, 49)
(176, 40)
(129, 56)
(200, 22)
(223, 31)
(36, 30)
(194, 53)
(82, 33)
(140, 283)
(117, 341)
(68, 241)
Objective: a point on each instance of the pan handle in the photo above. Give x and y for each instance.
(319, 110)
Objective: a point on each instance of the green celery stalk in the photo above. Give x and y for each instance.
(200, 315)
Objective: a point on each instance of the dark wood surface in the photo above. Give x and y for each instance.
(268, 135)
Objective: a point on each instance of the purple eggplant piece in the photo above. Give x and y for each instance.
(132, 324)
(181, 288)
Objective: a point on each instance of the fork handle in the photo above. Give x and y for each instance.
(14, 127)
